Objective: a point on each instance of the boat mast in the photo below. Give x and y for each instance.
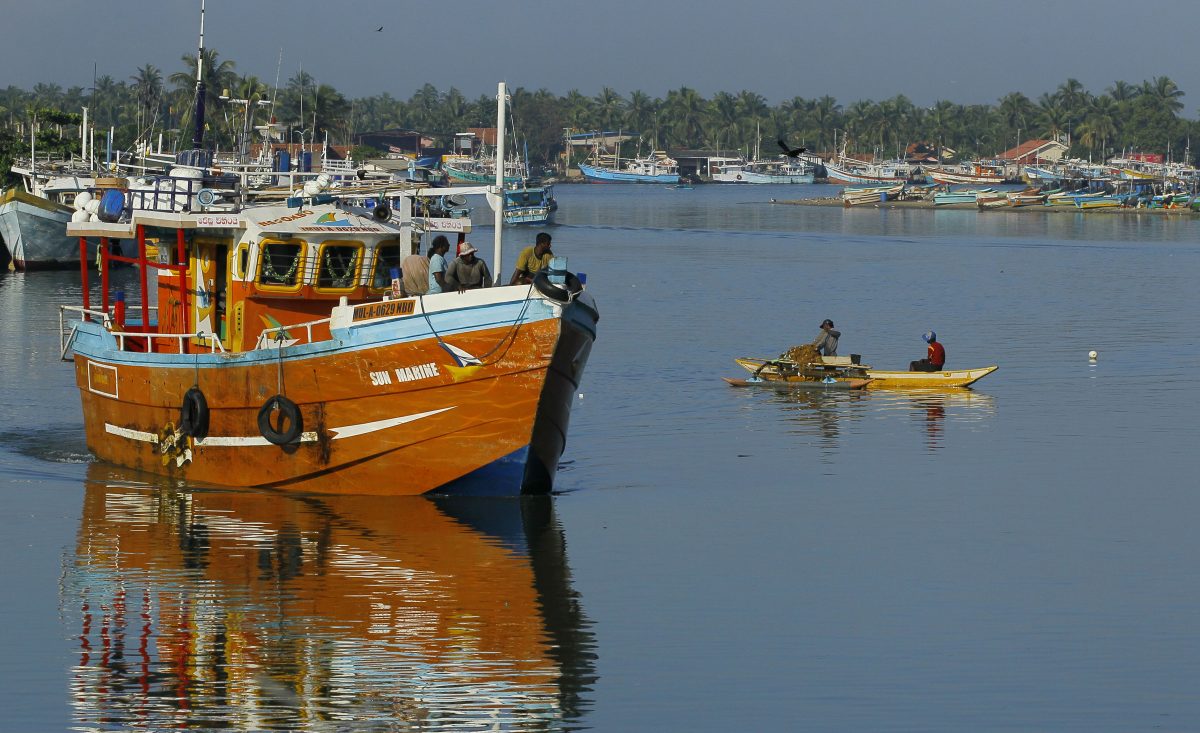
(498, 209)
(198, 132)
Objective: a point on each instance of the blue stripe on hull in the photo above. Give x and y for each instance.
(501, 477)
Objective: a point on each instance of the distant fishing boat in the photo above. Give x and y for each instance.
(655, 168)
(479, 171)
(854, 196)
(778, 171)
(530, 204)
(975, 173)
(964, 196)
(852, 172)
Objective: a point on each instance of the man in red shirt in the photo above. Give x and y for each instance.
(935, 358)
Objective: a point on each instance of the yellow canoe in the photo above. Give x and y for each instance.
(882, 379)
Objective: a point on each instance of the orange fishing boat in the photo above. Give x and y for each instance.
(281, 352)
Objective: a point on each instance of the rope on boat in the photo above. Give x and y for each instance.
(510, 336)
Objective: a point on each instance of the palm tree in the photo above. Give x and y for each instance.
(147, 89)
(639, 113)
(1099, 127)
(753, 109)
(1123, 91)
(1165, 93)
(1052, 118)
(609, 108)
(725, 120)
(686, 109)
(217, 76)
(825, 113)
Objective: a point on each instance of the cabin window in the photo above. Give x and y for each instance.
(387, 256)
(281, 264)
(241, 262)
(338, 265)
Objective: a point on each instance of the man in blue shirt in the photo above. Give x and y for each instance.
(437, 266)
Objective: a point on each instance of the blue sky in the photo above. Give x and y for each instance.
(963, 51)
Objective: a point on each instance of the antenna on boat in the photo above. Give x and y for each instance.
(198, 133)
(498, 209)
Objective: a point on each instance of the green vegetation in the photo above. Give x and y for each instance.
(1143, 117)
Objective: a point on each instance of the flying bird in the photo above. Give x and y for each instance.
(380, 28)
(790, 152)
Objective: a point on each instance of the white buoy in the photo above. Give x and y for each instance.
(1092, 355)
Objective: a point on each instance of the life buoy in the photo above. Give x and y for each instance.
(739, 176)
(555, 291)
(193, 414)
(287, 428)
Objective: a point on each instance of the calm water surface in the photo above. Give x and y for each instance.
(1018, 557)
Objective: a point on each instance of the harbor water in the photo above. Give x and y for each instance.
(1015, 557)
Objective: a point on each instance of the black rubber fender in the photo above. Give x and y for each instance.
(555, 291)
(193, 414)
(381, 212)
(287, 428)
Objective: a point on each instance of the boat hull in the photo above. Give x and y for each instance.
(598, 174)
(756, 177)
(34, 232)
(385, 408)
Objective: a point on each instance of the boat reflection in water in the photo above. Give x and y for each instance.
(269, 611)
(826, 414)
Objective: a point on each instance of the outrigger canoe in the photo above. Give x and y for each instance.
(777, 370)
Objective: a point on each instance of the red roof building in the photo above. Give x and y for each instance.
(1032, 152)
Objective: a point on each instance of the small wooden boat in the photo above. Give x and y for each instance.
(775, 369)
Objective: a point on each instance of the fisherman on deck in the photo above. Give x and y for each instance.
(437, 265)
(467, 271)
(414, 269)
(531, 260)
(827, 341)
(936, 358)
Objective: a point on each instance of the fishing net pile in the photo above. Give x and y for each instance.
(801, 355)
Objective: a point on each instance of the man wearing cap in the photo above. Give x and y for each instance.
(935, 357)
(531, 260)
(467, 271)
(827, 341)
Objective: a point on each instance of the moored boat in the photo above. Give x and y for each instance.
(529, 204)
(656, 168)
(284, 353)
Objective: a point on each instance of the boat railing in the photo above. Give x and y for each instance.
(168, 193)
(273, 337)
(66, 336)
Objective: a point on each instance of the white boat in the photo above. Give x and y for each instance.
(34, 216)
(780, 170)
(848, 170)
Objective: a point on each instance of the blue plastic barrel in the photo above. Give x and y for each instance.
(112, 204)
(306, 161)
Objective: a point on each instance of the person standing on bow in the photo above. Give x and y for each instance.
(531, 260)
(935, 357)
(827, 341)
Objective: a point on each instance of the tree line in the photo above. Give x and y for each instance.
(1144, 117)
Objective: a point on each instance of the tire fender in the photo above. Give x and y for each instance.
(287, 427)
(193, 414)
